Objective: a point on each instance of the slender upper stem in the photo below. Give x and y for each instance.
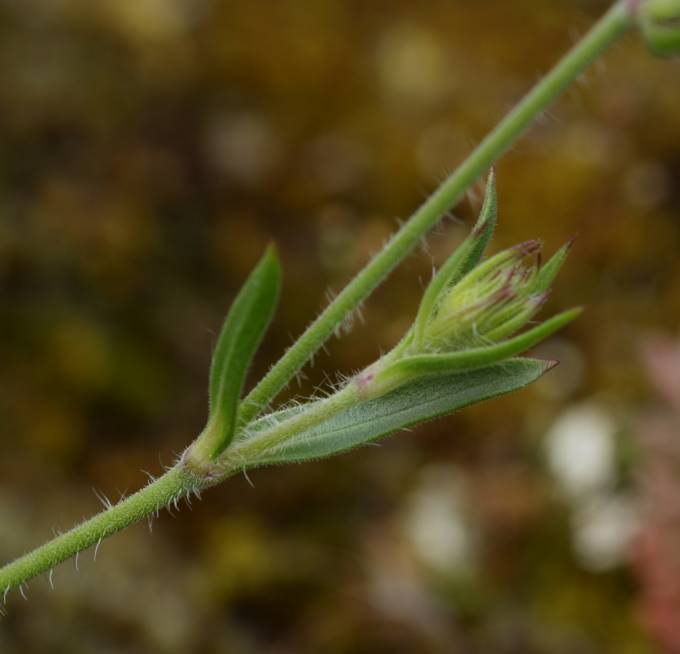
(607, 30)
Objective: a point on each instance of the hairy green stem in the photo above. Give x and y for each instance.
(605, 32)
(165, 490)
(192, 474)
(315, 414)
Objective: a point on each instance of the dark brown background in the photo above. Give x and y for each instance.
(150, 150)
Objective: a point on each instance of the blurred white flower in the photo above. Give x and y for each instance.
(412, 66)
(580, 450)
(243, 147)
(603, 530)
(435, 523)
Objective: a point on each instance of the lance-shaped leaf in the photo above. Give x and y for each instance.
(466, 256)
(414, 402)
(241, 334)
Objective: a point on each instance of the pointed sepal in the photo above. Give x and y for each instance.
(548, 271)
(397, 373)
(468, 254)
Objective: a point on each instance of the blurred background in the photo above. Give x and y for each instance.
(149, 151)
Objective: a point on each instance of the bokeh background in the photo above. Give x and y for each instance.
(149, 151)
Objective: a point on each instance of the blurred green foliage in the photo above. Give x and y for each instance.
(149, 150)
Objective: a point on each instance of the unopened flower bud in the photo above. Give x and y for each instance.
(659, 22)
(473, 311)
(492, 301)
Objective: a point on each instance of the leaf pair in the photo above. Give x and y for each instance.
(413, 383)
(240, 336)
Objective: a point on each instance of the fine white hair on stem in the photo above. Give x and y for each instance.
(425, 246)
(245, 474)
(106, 503)
(96, 548)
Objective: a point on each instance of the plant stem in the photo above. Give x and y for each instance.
(181, 480)
(315, 414)
(603, 34)
(173, 485)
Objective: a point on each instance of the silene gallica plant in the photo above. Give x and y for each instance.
(476, 317)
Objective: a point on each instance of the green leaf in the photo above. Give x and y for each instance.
(466, 256)
(241, 334)
(415, 402)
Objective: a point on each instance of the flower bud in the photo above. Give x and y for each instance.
(472, 311)
(659, 22)
(492, 301)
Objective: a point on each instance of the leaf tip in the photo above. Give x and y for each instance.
(570, 242)
(549, 364)
(574, 312)
(487, 217)
(271, 254)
